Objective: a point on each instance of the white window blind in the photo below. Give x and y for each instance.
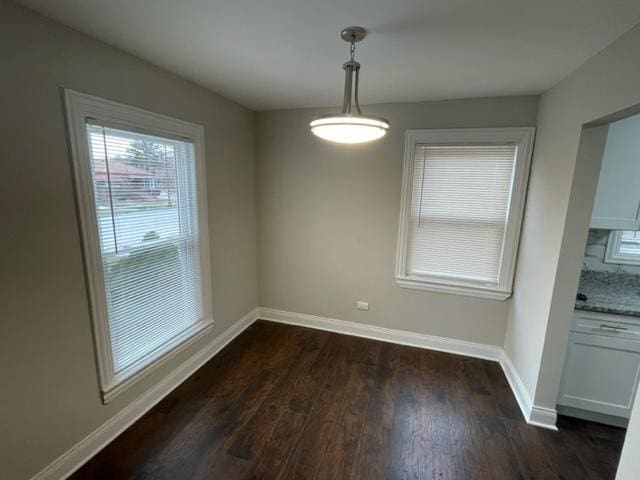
(623, 247)
(459, 209)
(463, 193)
(629, 243)
(146, 204)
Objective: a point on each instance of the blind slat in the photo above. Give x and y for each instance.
(459, 206)
(630, 243)
(146, 199)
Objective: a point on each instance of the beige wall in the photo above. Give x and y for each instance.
(328, 220)
(558, 211)
(49, 390)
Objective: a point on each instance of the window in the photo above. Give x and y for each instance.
(623, 247)
(141, 196)
(462, 202)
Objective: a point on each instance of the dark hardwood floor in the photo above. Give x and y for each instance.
(283, 402)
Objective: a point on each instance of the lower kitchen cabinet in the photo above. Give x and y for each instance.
(602, 368)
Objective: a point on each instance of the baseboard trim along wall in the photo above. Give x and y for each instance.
(402, 337)
(593, 416)
(533, 414)
(80, 453)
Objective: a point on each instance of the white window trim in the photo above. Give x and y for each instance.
(523, 138)
(612, 253)
(79, 107)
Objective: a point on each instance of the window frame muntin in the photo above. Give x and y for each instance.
(523, 137)
(81, 109)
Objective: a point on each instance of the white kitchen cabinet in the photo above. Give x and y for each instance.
(602, 367)
(617, 202)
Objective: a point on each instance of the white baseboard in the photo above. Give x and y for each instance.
(80, 453)
(543, 417)
(459, 347)
(534, 415)
(517, 387)
(593, 416)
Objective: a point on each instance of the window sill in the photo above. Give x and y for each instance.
(148, 365)
(622, 260)
(468, 290)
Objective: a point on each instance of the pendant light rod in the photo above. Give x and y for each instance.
(349, 88)
(355, 95)
(352, 35)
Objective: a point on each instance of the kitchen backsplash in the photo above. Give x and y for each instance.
(594, 255)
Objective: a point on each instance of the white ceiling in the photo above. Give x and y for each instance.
(269, 54)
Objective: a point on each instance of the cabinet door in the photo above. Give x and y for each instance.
(600, 374)
(618, 193)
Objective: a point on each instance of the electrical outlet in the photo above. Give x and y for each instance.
(362, 305)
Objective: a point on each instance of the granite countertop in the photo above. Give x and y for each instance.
(610, 292)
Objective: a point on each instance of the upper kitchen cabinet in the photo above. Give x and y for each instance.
(617, 201)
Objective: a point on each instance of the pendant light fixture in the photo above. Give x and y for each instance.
(350, 126)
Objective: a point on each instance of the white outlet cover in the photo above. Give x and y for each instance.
(362, 305)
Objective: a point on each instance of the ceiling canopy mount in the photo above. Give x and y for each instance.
(353, 34)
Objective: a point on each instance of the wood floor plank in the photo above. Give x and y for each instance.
(342, 445)
(221, 467)
(307, 388)
(231, 403)
(317, 432)
(494, 451)
(138, 447)
(373, 456)
(501, 392)
(285, 402)
(597, 446)
(363, 350)
(410, 416)
(203, 438)
(564, 459)
(530, 452)
(271, 459)
(255, 433)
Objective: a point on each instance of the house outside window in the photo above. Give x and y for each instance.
(142, 204)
